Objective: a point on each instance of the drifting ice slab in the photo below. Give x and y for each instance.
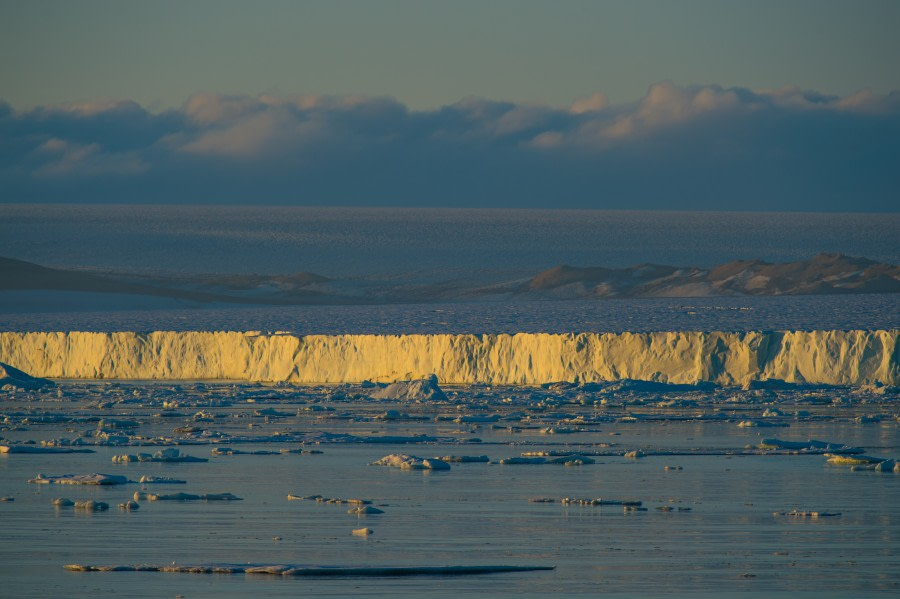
(318, 571)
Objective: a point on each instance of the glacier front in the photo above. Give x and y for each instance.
(829, 357)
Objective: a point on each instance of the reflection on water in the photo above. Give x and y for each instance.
(427, 243)
(728, 541)
(840, 312)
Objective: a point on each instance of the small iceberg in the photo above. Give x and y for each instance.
(411, 462)
(160, 480)
(365, 510)
(81, 479)
(91, 506)
(419, 390)
(311, 571)
(138, 496)
(13, 379)
(168, 455)
(811, 446)
(806, 515)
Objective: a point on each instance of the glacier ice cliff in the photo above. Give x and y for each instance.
(830, 357)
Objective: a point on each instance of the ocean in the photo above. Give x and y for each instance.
(421, 243)
(713, 524)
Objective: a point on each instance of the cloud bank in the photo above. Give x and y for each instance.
(679, 147)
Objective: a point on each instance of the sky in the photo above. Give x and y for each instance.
(719, 105)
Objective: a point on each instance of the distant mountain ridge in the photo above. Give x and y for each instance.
(821, 274)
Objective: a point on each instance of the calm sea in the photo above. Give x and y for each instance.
(421, 243)
(709, 528)
(727, 544)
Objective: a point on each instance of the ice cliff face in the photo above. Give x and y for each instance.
(818, 357)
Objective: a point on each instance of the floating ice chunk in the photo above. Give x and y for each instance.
(161, 480)
(760, 424)
(807, 514)
(334, 500)
(43, 449)
(63, 502)
(435, 464)
(888, 466)
(271, 412)
(129, 506)
(138, 496)
(169, 455)
(392, 415)
(559, 430)
(92, 506)
(362, 532)
(868, 419)
(465, 458)
(311, 571)
(14, 379)
(419, 390)
(365, 510)
(568, 459)
(476, 419)
(410, 462)
(523, 460)
(810, 446)
(81, 479)
(223, 451)
(851, 460)
(172, 454)
(571, 460)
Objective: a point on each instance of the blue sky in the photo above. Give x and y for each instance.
(653, 104)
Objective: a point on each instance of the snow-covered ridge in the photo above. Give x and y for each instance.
(725, 358)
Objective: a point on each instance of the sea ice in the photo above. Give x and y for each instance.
(419, 390)
(365, 510)
(170, 454)
(138, 496)
(14, 379)
(92, 506)
(311, 571)
(160, 480)
(81, 479)
(409, 462)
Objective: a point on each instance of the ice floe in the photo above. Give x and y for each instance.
(13, 379)
(426, 389)
(170, 454)
(81, 479)
(365, 510)
(807, 515)
(139, 496)
(312, 571)
(160, 480)
(409, 462)
(91, 506)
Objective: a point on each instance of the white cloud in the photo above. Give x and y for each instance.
(253, 136)
(208, 109)
(592, 103)
(95, 107)
(475, 146)
(66, 159)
